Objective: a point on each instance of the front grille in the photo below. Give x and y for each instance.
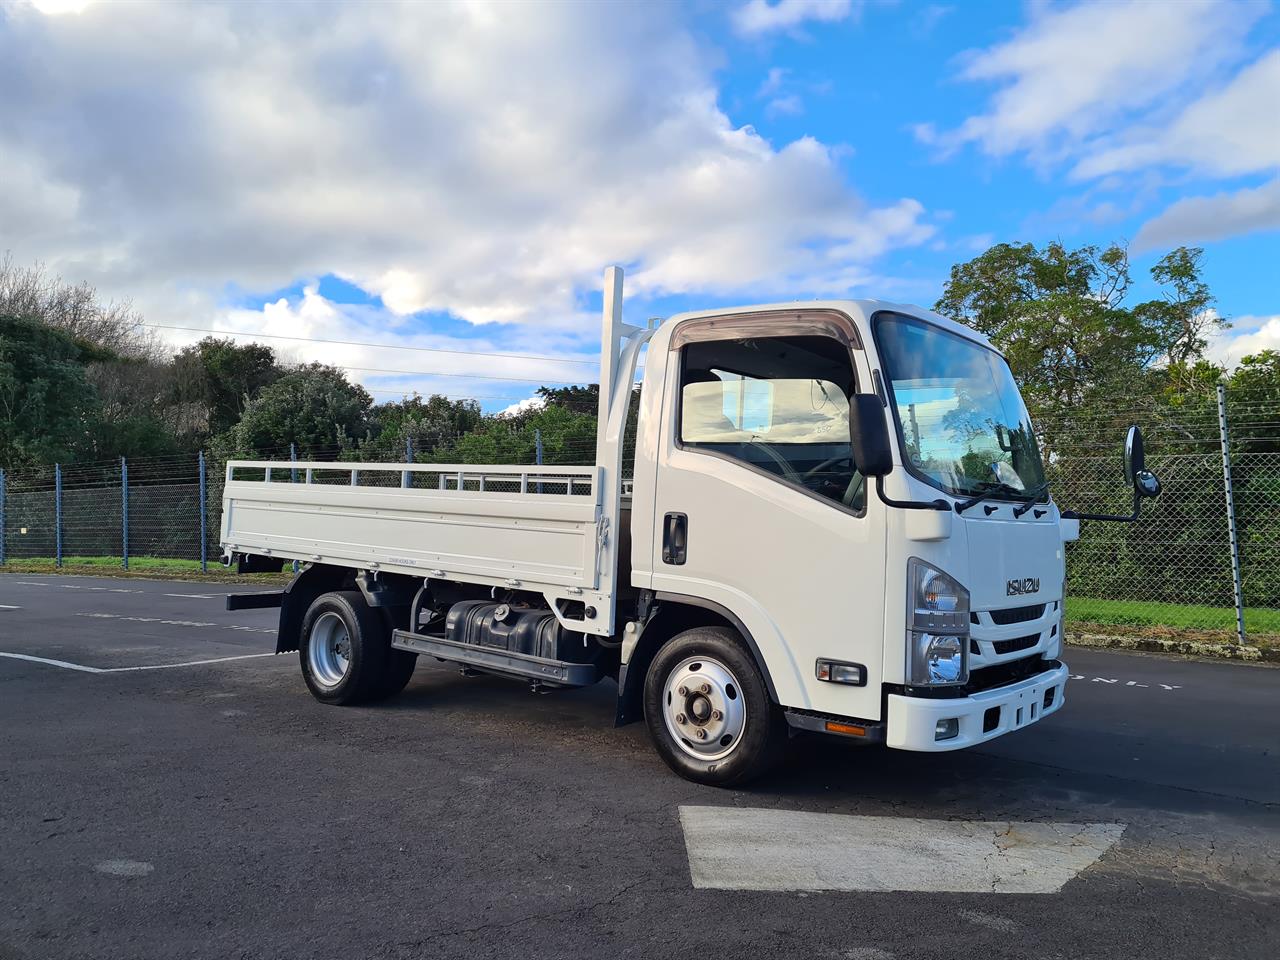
(1017, 643)
(1002, 674)
(1017, 614)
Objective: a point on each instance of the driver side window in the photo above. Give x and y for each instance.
(777, 404)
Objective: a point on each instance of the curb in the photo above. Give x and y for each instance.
(1186, 648)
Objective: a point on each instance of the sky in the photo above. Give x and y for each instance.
(450, 180)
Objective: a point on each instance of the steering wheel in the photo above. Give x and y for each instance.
(828, 464)
(856, 483)
(788, 470)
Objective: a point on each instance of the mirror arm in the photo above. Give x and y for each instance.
(1115, 518)
(938, 504)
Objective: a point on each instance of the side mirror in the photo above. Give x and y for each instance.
(869, 436)
(1135, 458)
(1144, 482)
(1136, 474)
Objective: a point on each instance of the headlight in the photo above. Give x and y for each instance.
(937, 627)
(938, 660)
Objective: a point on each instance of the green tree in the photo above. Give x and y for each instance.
(312, 406)
(134, 415)
(567, 438)
(220, 377)
(46, 400)
(1184, 316)
(430, 422)
(584, 399)
(1061, 319)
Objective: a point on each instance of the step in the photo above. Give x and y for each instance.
(496, 660)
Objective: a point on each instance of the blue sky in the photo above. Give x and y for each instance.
(454, 177)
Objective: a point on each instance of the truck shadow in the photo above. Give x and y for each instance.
(1029, 774)
(1039, 782)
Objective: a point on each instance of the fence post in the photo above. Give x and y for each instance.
(1, 515)
(537, 452)
(405, 475)
(1236, 582)
(293, 478)
(57, 513)
(204, 519)
(124, 512)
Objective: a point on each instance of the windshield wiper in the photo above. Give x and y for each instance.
(986, 494)
(996, 489)
(1032, 496)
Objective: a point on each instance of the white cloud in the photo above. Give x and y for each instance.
(757, 17)
(1075, 72)
(311, 328)
(1121, 94)
(481, 159)
(524, 406)
(1198, 220)
(1223, 133)
(1247, 336)
(789, 106)
(773, 81)
(55, 8)
(927, 19)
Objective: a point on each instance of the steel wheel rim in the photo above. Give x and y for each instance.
(703, 708)
(329, 649)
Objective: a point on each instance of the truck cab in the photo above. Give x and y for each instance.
(893, 617)
(837, 521)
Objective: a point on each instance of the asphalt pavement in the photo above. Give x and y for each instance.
(170, 789)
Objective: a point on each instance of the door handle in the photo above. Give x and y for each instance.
(675, 538)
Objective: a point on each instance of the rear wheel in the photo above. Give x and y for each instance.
(345, 651)
(708, 710)
(398, 672)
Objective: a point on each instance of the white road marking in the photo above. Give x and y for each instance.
(785, 850)
(53, 663)
(1127, 683)
(193, 596)
(81, 586)
(67, 665)
(5, 606)
(178, 623)
(75, 586)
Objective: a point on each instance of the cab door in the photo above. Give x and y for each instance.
(759, 510)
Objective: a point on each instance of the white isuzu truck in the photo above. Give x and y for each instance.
(837, 522)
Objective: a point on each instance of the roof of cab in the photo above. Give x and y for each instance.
(858, 309)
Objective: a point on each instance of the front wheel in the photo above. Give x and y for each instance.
(708, 710)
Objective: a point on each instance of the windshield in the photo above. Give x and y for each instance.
(961, 421)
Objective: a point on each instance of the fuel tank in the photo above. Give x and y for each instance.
(531, 631)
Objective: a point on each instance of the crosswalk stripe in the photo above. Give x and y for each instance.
(732, 848)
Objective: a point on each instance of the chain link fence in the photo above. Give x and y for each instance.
(1171, 573)
(1175, 572)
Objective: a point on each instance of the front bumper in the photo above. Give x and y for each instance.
(912, 721)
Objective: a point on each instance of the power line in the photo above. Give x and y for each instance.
(450, 396)
(365, 343)
(407, 373)
(466, 376)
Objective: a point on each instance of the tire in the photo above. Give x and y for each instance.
(396, 675)
(345, 650)
(744, 731)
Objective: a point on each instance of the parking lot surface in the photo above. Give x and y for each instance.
(170, 789)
